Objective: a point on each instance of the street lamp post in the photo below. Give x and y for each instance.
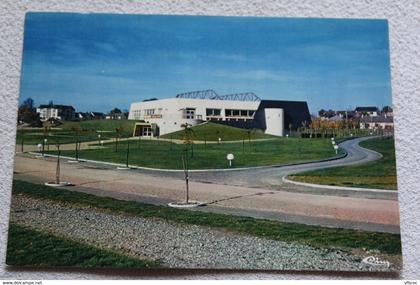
(43, 146)
(23, 137)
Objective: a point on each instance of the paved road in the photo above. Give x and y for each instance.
(256, 195)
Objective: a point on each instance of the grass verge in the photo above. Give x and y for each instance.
(289, 232)
(163, 154)
(376, 174)
(89, 131)
(27, 247)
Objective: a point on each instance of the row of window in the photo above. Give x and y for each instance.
(190, 113)
(239, 113)
(230, 113)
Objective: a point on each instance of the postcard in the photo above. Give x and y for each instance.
(205, 142)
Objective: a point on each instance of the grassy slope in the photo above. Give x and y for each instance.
(289, 232)
(161, 154)
(213, 131)
(102, 125)
(66, 135)
(33, 248)
(376, 174)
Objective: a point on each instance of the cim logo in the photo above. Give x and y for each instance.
(375, 261)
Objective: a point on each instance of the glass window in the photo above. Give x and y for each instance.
(149, 112)
(189, 113)
(213, 112)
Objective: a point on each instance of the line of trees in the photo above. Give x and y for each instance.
(27, 114)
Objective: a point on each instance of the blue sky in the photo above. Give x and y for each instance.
(99, 61)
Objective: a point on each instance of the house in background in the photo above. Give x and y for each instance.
(116, 116)
(97, 115)
(382, 121)
(58, 112)
(89, 115)
(367, 111)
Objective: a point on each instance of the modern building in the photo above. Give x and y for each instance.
(244, 110)
(58, 112)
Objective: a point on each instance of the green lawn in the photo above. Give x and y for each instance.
(27, 247)
(289, 232)
(65, 134)
(102, 125)
(163, 154)
(377, 174)
(213, 131)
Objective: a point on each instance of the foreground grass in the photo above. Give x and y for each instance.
(163, 154)
(213, 131)
(377, 174)
(33, 248)
(289, 232)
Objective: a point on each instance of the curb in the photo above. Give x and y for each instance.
(195, 170)
(285, 180)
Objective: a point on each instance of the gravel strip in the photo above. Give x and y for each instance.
(177, 246)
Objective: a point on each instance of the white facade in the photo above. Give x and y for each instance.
(46, 113)
(58, 113)
(274, 121)
(377, 125)
(169, 114)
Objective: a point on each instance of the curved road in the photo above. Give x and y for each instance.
(271, 177)
(262, 177)
(251, 192)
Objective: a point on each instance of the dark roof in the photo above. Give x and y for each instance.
(295, 113)
(97, 113)
(366, 109)
(56, 106)
(378, 119)
(387, 109)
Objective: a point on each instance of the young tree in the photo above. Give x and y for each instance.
(77, 131)
(115, 111)
(187, 137)
(118, 133)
